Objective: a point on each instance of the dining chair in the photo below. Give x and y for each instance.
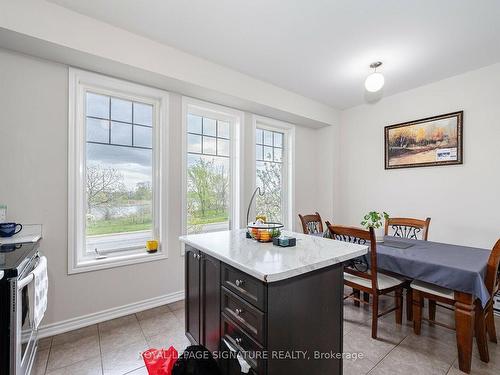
(311, 224)
(405, 227)
(484, 316)
(369, 281)
(408, 228)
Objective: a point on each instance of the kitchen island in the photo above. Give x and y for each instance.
(277, 310)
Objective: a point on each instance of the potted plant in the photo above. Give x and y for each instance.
(374, 219)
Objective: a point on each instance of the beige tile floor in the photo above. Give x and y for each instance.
(112, 347)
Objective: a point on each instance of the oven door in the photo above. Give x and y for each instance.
(24, 334)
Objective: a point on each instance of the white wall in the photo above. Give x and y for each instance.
(463, 200)
(315, 169)
(33, 150)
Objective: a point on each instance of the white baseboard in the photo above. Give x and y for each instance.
(101, 316)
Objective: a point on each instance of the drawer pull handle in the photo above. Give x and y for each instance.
(238, 311)
(245, 367)
(239, 282)
(238, 340)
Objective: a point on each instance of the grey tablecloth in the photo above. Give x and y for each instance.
(455, 267)
(460, 268)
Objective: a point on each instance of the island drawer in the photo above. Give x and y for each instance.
(251, 319)
(245, 286)
(238, 339)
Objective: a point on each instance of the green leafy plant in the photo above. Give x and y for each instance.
(373, 219)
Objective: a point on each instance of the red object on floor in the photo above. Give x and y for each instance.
(160, 361)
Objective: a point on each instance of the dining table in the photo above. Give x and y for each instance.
(456, 267)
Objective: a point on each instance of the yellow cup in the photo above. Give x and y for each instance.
(152, 246)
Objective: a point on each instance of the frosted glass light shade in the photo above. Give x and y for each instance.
(374, 82)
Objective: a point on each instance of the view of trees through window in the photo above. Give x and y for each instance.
(119, 170)
(208, 174)
(269, 170)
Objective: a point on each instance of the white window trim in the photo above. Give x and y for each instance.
(289, 160)
(79, 81)
(236, 118)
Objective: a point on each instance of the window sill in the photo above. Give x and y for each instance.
(115, 260)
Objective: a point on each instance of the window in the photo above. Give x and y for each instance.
(115, 166)
(273, 173)
(210, 194)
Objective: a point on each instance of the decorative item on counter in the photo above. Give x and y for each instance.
(373, 219)
(264, 232)
(260, 229)
(261, 193)
(152, 246)
(284, 241)
(3, 213)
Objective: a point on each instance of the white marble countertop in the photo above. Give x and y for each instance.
(270, 263)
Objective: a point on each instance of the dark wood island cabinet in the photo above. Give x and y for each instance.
(281, 311)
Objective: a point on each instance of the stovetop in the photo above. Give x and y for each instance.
(13, 257)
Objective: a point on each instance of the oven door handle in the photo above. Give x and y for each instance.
(29, 277)
(25, 281)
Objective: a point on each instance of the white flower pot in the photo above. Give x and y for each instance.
(379, 234)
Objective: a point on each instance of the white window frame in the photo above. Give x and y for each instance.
(80, 82)
(288, 163)
(235, 118)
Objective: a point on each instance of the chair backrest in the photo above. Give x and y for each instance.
(491, 278)
(311, 223)
(407, 227)
(362, 237)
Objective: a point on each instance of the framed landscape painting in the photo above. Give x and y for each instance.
(423, 143)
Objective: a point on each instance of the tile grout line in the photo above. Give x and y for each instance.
(100, 348)
(145, 339)
(143, 333)
(389, 352)
(147, 343)
(449, 368)
(48, 355)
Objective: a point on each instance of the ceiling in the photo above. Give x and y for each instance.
(319, 48)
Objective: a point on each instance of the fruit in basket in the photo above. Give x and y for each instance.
(275, 233)
(255, 233)
(265, 236)
(260, 219)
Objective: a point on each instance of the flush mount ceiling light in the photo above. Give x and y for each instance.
(375, 81)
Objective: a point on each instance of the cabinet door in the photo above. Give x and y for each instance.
(210, 302)
(192, 285)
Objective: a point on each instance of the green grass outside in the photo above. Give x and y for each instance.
(209, 218)
(117, 225)
(127, 224)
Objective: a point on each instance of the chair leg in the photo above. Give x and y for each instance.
(418, 302)
(374, 315)
(409, 304)
(490, 323)
(357, 294)
(432, 311)
(480, 333)
(398, 299)
(366, 297)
